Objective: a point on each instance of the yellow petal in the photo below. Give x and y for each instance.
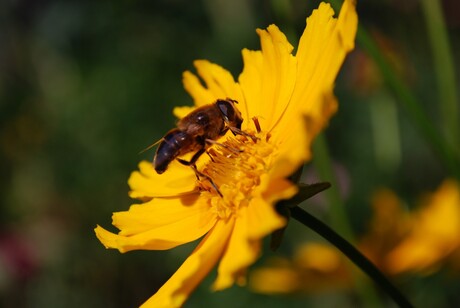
(159, 224)
(177, 289)
(268, 77)
(219, 84)
(415, 254)
(262, 219)
(278, 75)
(159, 212)
(322, 49)
(321, 52)
(389, 225)
(240, 253)
(180, 112)
(251, 85)
(316, 268)
(440, 219)
(201, 96)
(146, 183)
(319, 257)
(278, 188)
(435, 233)
(293, 147)
(275, 280)
(218, 80)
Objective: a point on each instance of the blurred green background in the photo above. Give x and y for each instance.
(86, 85)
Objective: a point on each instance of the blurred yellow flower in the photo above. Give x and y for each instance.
(292, 98)
(396, 241)
(388, 227)
(435, 233)
(315, 267)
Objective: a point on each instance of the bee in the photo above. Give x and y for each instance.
(196, 132)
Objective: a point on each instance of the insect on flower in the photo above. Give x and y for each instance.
(196, 132)
(292, 96)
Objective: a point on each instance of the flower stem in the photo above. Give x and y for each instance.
(406, 98)
(444, 150)
(444, 68)
(339, 217)
(351, 252)
(323, 166)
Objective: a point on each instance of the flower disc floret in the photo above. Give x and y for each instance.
(236, 167)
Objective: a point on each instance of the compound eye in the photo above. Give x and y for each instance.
(227, 109)
(230, 113)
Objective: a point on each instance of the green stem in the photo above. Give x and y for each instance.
(444, 67)
(323, 166)
(338, 215)
(422, 122)
(352, 253)
(409, 102)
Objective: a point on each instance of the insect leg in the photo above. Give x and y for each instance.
(207, 177)
(194, 158)
(232, 149)
(192, 164)
(192, 161)
(237, 131)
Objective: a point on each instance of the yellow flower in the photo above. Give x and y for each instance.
(396, 242)
(435, 233)
(316, 267)
(389, 225)
(292, 98)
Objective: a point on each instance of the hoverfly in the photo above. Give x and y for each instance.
(196, 132)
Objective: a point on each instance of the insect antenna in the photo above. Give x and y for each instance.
(150, 146)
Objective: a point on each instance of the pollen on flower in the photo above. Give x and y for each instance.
(232, 205)
(236, 168)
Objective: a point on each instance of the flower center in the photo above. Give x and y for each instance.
(235, 168)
